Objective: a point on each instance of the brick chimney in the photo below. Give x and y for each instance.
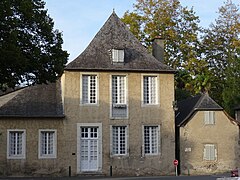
(158, 48)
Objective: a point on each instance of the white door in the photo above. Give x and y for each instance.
(89, 143)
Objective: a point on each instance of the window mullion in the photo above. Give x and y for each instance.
(88, 89)
(16, 143)
(47, 142)
(150, 89)
(118, 90)
(119, 134)
(150, 139)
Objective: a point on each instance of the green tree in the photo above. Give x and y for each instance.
(169, 20)
(231, 90)
(31, 50)
(221, 51)
(179, 26)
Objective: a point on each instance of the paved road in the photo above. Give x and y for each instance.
(118, 178)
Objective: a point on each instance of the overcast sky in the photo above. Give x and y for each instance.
(80, 20)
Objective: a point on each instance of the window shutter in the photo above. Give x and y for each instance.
(204, 153)
(215, 153)
(118, 55)
(211, 152)
(111, 140)
(212, 117)
(126, 140)
(206, 117)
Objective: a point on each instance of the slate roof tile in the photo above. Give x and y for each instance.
(33, 101)
(115, 34)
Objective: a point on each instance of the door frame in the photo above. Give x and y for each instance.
(99, 126)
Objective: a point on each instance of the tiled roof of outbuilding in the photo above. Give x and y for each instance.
(115, 34)
(33, 101)
(188, 107)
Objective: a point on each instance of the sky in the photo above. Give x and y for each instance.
(80, 20)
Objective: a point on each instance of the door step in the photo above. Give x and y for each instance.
(91, 174)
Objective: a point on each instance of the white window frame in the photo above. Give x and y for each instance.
(46, 156)
(125, 104)
(126, 141)
(88, 103)
(118, 55)
(209, 117)
(16, 156)
(158, 140)
(79, 126)
(157, 89)
(209, 152)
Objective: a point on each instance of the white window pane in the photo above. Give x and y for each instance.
(209, 117)
(150, 139)
(117, 55)
(89, 89)
(47, 143)
(15, 143)
(119, 145)
(150, 89)
(209, 152)
(119, 107)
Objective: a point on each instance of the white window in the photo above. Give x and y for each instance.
(209, 152)
(16, 142)
(119, 104)
(118, 55)
(89, 89)
(151, 140)
(150, 95)
(209, 117)
(47, 143)
(119, 140)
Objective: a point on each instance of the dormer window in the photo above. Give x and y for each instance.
(118, 55)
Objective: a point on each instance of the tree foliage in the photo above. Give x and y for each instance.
(207, 60)
(31, 50)
(169, 20)
(179, 27)
(221, 45)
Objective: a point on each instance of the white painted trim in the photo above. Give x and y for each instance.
(157, 91)
(97, 89)
(158, 141)
(23, 155)
(208, 145)
(126, 95)
(126, 139)
(79, 125)
(54, 155)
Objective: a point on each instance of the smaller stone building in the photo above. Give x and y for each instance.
(206, 137)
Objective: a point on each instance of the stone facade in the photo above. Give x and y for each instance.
(161, 115)
(224, 135)
(31, 164)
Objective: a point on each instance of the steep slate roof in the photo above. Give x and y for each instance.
(188, 107)
(115, 34)
(33, 101)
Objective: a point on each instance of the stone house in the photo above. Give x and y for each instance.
(110, 113)
(206, 137)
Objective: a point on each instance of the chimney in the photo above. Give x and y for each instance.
(158, 48)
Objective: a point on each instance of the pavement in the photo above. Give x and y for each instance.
(210, 177)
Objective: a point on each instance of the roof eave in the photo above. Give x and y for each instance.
(171, 71)
(32, 116)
